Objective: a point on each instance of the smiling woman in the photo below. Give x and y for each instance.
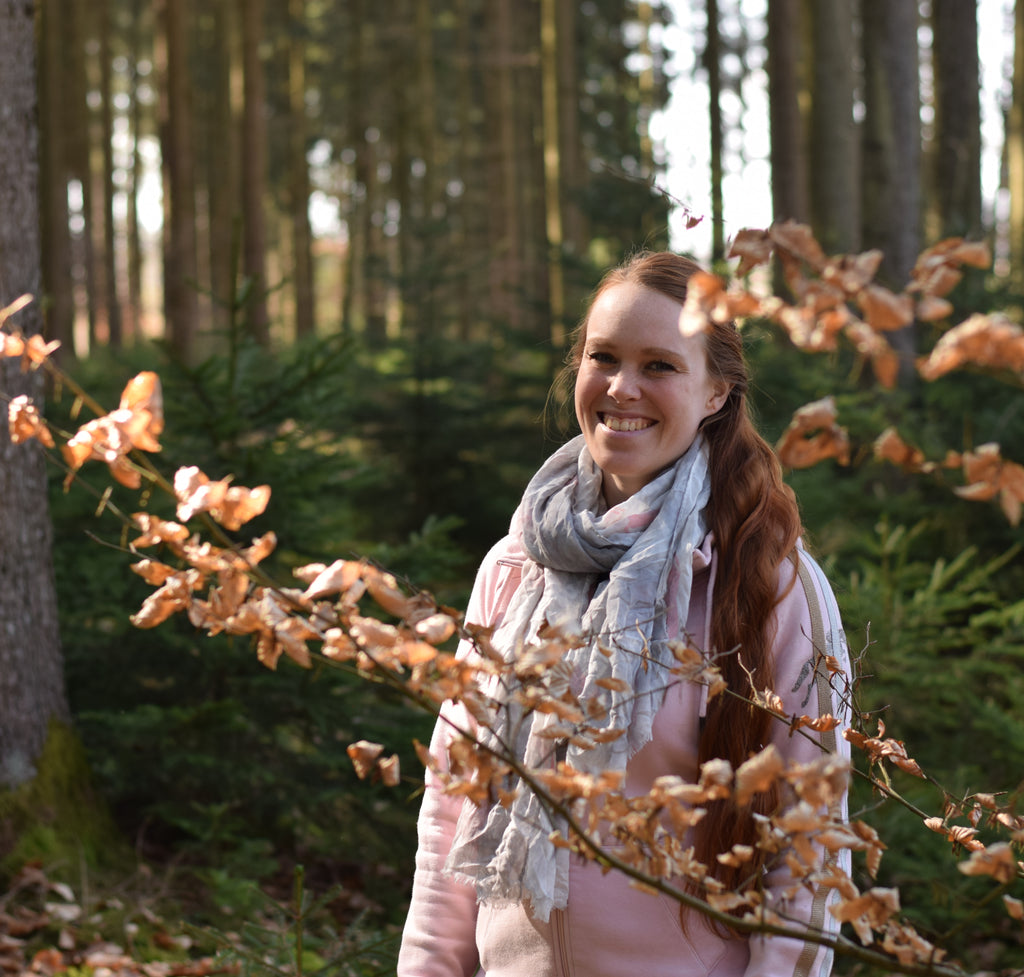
(665, 521)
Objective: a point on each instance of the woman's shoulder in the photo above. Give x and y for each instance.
(497, 579)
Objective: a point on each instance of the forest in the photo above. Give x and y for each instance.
(323, 258)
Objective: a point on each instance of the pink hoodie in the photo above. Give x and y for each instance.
(609, 928)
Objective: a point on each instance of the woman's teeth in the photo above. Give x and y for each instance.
(626, 423)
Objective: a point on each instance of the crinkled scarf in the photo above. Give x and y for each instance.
(618, 577)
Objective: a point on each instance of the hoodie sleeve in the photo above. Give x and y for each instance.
(809, 628)
(439, 939)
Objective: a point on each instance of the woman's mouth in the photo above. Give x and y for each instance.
(625, 423)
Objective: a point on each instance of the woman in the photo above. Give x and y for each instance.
(667, 518)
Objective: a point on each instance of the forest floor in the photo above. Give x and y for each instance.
(159, 924)
(46, 930)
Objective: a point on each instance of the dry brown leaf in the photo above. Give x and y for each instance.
(436, 628)
(153, 571)
(990, 341)
(813, 436)
(752, 247)
(987, 474)
(708, 300)
(372, 634)
(798, 241)
(884, 310)
(879, 748)
(336, 578)
(931, 307)
(1014, 907)
(868, 912)
(383, 588)
(757, 774)
(820, 724)
(884, 361)
(231, 506)
(156, 530)
(997, 860)
(142, 404)
(25, 422)
(889, 446)
(390, 771)
(852, 272)
(364, 756)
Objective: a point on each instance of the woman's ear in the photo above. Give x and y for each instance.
(720, 391)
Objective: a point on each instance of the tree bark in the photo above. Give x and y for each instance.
(713, 66)
(891, 187)
(57, 282)
(892, 136)
(254, 171)
(787, 127)
(31, 672)
(957, 145)
(115, 334)
(834, 184)
(1015, 150)
(181, 307)
(302, 237)
(554, 234)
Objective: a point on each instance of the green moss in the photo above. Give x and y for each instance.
(57, 818)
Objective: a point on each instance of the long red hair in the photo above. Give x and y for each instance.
(756, 523)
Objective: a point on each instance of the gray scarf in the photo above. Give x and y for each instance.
(619, 578)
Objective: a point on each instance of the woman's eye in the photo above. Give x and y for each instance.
(597, 356)
(660, 366)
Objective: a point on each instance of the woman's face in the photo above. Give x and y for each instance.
(642, 388)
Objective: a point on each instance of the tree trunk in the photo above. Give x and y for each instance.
(254, 171)
(786, 124)
(713, 66)
(1015, 150)
(957, 145)
(181, 307)
(891, 188)
(222, 190)
(570, 154)
(31, 673)
(302, 238)
(112, 301)
(503, 165)
(140, 46)
(834, 184)
(79, 153)
(57, 282)
(892, 137)
(552, 174)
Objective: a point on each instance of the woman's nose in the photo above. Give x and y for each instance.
(623, 385)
